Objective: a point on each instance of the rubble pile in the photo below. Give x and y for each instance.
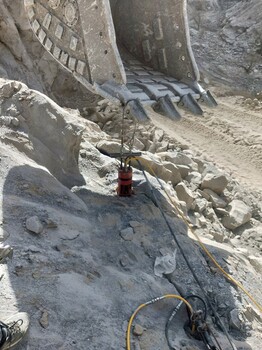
(197, 185)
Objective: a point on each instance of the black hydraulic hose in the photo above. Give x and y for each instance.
(213, 335)
(184, 256)
(170, 319)
(175, 311)
(193, 296)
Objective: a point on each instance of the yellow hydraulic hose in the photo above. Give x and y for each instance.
(140, 307)
(190, 227)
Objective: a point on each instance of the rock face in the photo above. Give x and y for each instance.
(237, 29)
(46, 133)
(239, 214)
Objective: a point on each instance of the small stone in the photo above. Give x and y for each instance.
(251, 313)
(226, 239)
(184, 170)
(165, 265)
(3, 235)
(235, 320)
(162, 146)
(19, 270)
(33, 224)
(44, 322)
(124, 261)
(127, 234)
(15, 121)
(194, 178)
(176, 177)
(50, 223)
(33, 249)
(82, 154)
(138, 330)
(202, 221)
(134, 223)
(203, 194)
(221, 211)
(139, 145)
(158, 135)
(218, 236)
(69, 235)
(210, 214)
(61, 247)
(183, 207)
(36, 275)
(256, 262)
(213, 270)
(200, 204)
(216, 201)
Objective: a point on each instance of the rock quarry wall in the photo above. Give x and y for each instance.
(226, 39)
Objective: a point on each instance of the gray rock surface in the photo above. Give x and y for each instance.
(236, 27)
(46, 133)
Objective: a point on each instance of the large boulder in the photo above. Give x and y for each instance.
(176, 176)
(177, 158)
(238, 214)
(215, 181)
(153, 165)
(185, 194)
(110, 146)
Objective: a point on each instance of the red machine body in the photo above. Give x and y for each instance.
(125, 181)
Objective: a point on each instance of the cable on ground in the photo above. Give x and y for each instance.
(183, 254)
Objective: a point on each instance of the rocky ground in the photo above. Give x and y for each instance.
(84, 258)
